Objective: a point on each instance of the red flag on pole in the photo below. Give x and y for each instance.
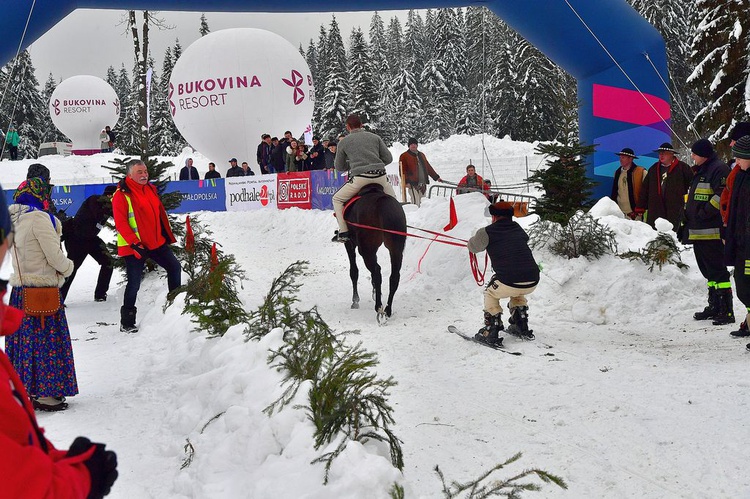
(214, 257)
(189, 236)
(453, 217)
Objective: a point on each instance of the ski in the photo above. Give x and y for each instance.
(500, 348)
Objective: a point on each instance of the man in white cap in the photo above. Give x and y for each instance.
(626, 189)
(663, 193)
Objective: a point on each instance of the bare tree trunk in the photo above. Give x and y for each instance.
(141, 58)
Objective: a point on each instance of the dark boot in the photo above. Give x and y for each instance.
(742, 332)
(725, 307)
(493, 324)
(127, 319)
(519, 323)
(710, 311)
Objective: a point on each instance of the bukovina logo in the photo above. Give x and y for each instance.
(207, 85)
(71, 106)
(296, 83)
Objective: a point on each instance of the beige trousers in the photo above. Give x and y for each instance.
(415, 195)
(350, 189)
(497, 291)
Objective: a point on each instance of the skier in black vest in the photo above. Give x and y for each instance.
(516, 274)
(81, 236)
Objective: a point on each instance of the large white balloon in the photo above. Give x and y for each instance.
(81, 107)
(231, 86)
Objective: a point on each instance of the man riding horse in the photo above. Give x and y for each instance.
(364, 155)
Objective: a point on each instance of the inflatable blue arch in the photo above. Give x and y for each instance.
(617, 57)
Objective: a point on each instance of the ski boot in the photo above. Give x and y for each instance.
(725, 307)
(493, 324)
(519, 323)
(711, 309)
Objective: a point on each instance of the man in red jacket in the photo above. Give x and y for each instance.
(143, 232)
(30, 464)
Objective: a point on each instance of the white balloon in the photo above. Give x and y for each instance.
(81, 107)
(231, 86)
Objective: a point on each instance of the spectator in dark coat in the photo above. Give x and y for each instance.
(316, 157)
(664, 189)
(189, 172)
(263, 155)
(81, 236)
(330, 154)
(277, 155)
(234, 170)
(212, 173)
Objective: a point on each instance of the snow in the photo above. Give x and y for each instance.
(622, 394)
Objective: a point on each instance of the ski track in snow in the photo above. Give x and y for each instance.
(622, 393)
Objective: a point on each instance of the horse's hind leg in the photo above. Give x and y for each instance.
(371, 262)
(397, 255)
(353, 272)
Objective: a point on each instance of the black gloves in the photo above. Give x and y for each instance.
(680, 232)
(140, 251)
(102, 466)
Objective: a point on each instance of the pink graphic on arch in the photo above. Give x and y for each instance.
(629, 106)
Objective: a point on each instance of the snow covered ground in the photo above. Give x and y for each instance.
(622, 393)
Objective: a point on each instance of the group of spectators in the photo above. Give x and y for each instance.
(707, 205)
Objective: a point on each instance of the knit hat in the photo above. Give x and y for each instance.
(501, 209)
(741, 148)
(626, 151)
(702, 148)
(109, 190)
(412, 141)
(665, 147)
(741, 128)
(332, 143)
(34, 192)
(38, 170)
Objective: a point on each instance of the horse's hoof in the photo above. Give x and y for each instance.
(381, 317)
(355, 305)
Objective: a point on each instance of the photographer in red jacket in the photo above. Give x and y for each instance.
(31, 467)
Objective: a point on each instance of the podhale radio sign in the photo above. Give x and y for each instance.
(225, 92)
(250, 193)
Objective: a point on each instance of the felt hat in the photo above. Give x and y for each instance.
(626, 151)
(665, 147)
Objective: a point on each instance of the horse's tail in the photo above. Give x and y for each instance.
(393, 218)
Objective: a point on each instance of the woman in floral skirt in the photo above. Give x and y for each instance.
(40, 350)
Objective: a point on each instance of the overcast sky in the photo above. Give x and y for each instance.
(89, 41)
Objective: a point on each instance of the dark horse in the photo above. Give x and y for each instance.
(377, 210)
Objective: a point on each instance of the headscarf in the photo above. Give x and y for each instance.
(34, 192)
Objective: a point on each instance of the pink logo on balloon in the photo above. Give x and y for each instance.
(172, 107)
(296, 83)
(56, 105)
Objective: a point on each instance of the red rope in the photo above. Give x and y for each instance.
(478, 276)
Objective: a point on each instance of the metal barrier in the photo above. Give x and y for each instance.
(522, 203)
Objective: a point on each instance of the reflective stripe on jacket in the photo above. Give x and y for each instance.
(131, 222)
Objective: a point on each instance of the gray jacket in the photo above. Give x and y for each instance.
(360, 152)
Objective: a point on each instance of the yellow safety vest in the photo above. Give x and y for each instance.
(131, 221)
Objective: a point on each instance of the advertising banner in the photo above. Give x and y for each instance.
(250, 193)
(325, 183)
(294, 189)
(199, 195)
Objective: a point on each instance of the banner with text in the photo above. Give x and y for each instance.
(199, 195)
(325, 183)
(250, 193)
(294, 190)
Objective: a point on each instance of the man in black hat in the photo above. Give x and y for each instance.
(701, 227)
(415, 173)
(516, 274)
(626, 189)
(663, 193)
(81, 236)
(316, 156)
(234, 170)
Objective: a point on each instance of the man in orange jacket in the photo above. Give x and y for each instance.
(143, 232)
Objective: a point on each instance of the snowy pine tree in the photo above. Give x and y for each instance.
(336, 97)
(23, 104)
(320, 77)
(383, 119)
(363, 95)
(204, 29)
(721, 53)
